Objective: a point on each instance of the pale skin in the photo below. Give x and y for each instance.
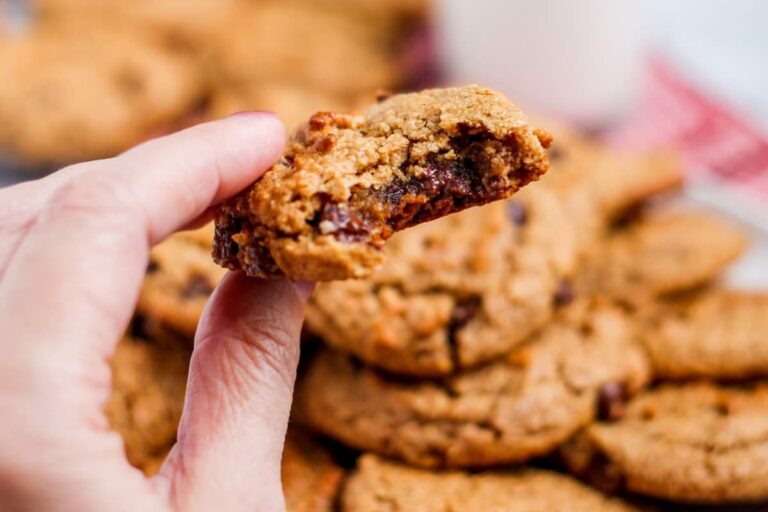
(73, 250)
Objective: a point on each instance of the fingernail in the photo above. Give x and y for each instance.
(252, 113)
(304, 288)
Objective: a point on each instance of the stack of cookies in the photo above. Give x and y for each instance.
(91, 78)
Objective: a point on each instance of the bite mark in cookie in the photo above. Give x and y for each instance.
(348, 182)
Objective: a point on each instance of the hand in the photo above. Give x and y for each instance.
(73, 250)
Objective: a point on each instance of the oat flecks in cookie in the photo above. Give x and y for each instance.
(381, 486)
(714, 333)
(508, 411)
(311, 478)
(701, 443)
(348, 182)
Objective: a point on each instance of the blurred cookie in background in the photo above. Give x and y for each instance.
(149, 378)
(85, 91)
(180, 278)
(290, 43)
(185, 21)
(311, 478)
(294, 104)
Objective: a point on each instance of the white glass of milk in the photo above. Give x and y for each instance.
(578, 60)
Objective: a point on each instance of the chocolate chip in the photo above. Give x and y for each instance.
(556, 152)
(382, 95)
(464, 310)
(152, 266)
(197, 285)
(517, 212)
(346, 225)
(565, 293)
(611, 400)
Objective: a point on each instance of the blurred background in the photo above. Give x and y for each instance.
(85, 79)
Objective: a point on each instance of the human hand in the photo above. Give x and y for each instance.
(73, 250)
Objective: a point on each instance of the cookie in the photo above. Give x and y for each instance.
(511, 410)
(311, 478)
(454, 292)
(381, 486)
(664, 253)
(348, 182)
(181, 20)
(149, 379)
(294, 104)
(180, 278)
(82, 92)
(467, 288)
(715, 333)
(700, 443)
(285, 42)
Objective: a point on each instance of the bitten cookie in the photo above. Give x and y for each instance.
(700, 443)
(715, 333)
(86, 91)
(179, 280)
(311, 478)
(348, 182)
(511, 410)
(381, 486)
(149, 378)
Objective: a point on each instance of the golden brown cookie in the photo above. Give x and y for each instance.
(714, 333)
(511, 410)
(454, 292)
(180, 278)
(381, 486)
(665, 252)
(149, 378)
(183, 20)
(311, 478)
(84, 91)
(348, 182)
(285, 42)
(701, 443)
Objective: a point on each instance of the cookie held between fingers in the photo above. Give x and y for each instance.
(714, 333)
(381, 486)
(700, 443)
(508, 411)
(347, 182)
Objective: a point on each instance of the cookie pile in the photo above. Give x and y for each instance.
(91, 78)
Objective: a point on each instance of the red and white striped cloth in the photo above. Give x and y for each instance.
(720, 149)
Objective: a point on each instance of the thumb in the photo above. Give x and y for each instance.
(238, 398)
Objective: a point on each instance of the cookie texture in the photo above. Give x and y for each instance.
(348, 182)
(467, 288)
(699, 442)
(666, 252)
(149, 379)
(715, 333)
(508, 411)
(381, 486)
(311, 478)
(99, 90)
(180, 278)
(456, 291)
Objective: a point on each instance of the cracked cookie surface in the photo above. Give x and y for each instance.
(348, 182)
(381, 486)
(698, 442)
(508, 411)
